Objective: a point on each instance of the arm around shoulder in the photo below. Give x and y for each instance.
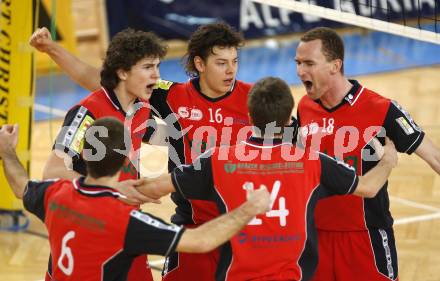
(216, 232)
(370, 183)
(157, 187)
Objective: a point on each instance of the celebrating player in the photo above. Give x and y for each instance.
(333, 109)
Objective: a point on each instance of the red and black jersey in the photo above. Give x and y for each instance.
(92, 235)
(346, 132)
(282, 244)
(196, 123)
(104, 103)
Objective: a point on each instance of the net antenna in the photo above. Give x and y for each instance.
(360, 21)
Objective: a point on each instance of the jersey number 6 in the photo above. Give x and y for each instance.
(67, 253)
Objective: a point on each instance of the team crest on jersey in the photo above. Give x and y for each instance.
(230, 167)
(406, 127)
(163, 84)
(190, 113)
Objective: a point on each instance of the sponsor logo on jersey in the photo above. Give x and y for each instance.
(272, 168)
(163, 84)
(190, 113)
(408, 117)
(230, 168)
(310, 129)
(196, 114)
(183, 112)
(75, 216)
(153, 222)
(313, 128)
(269, 240)
(78, 140)
(406, 127)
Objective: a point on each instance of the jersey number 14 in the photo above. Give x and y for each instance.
(281, 212)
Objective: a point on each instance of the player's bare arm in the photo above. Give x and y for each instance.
(429, 152)
(82, 73)
(152, 188)
(146, 190)
(370, 183)
(216, 232)
(59, 165)
(15, 173)
(133, 196)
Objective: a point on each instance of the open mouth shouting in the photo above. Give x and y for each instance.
(308, 85)
(150, 88)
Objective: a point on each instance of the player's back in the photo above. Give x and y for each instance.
(273, 246)
(87, 227)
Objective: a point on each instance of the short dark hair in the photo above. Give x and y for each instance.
(270, 100)
(126, 49)
(332, 44)
(205, 38)
(112, 161)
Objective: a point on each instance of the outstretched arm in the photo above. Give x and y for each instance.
(59, 165)
(82, 73)
(216, 232)
(15, 173)
(429, 152)
(146, 190)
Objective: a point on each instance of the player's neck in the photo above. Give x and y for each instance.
(124, 98)
(209, 92)
(257, 134)
(336, 92)
(109, 181)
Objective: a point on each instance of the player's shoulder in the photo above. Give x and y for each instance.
(373, 98)
(305, 101)
(164, 86)
(242, 86)
(94, 96)
(51, 185)
(94, 100)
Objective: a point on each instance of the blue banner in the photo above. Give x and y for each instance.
(179, 18)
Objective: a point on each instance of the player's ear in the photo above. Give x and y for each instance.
(199, 64)
(336, 66)
(250, 119)
(122, 74)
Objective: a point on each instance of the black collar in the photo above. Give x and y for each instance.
(265, 141)
(114, 100)
(354, 93)
(94, 190)
(351, 97)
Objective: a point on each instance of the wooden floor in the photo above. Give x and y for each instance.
(414, 187)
